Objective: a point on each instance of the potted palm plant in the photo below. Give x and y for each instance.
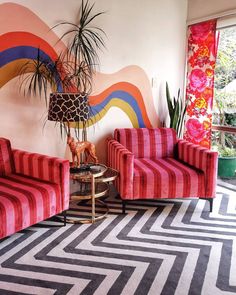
(72, 71)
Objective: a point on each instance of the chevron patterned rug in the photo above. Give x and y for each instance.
(160, 247)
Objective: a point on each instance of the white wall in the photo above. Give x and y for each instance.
(198, 9)
(150, 34)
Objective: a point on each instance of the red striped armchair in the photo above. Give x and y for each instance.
(33, 187)
(154, 163)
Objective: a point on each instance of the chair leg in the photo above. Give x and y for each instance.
(123, 206)
(61, 218)
(210, 200)
(64, 215)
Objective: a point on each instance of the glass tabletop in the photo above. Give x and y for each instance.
(85, 175)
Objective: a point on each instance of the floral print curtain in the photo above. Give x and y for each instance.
(202, 47)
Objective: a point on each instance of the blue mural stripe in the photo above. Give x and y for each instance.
(18, 52)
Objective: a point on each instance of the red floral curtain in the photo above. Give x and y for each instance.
(202, 47)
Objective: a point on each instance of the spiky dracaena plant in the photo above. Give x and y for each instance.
(73, 70)
(177, 109)
(85, 40)
(39, 75)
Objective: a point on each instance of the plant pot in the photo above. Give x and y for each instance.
(227, 167)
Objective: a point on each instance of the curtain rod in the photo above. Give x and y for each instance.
(224, 27)
(213, 16)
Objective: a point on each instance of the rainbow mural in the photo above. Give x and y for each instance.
(26, 33)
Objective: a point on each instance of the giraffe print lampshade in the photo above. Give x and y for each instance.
(68, 107)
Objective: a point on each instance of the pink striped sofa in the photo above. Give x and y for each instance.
(154, 164)
(33, 187)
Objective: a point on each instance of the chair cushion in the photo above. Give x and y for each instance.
(25, 201)
(166, 178)
(150, 143)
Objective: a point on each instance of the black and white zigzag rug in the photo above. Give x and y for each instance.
(163, 247)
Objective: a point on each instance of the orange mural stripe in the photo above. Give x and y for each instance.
(14, 39)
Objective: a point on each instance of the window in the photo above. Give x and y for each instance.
(224, 107)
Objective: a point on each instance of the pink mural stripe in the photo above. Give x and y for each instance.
(134, 75)
(129, 88)
(24, 20)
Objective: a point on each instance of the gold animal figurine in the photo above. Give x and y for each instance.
(78, 147)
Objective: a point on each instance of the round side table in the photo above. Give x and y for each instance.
(91, 185)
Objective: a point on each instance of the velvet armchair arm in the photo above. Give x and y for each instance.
(45, 168)
(202, 159)
(122, 160)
